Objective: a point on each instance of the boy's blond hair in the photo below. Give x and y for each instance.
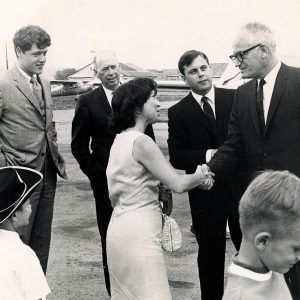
(270, 203)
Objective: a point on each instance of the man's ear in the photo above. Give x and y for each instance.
(183, 78)
(18, 51)
(262, 240)
(95, 71)
(265, 50)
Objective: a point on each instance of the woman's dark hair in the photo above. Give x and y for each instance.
(128, 98)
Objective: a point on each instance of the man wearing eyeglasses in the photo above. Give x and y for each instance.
(265, 120)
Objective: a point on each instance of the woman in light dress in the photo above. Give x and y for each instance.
(136, 165)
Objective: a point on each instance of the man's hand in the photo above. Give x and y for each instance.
(165, 198)
(208, 180)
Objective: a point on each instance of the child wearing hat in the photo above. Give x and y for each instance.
(21, 275)
(270, 222)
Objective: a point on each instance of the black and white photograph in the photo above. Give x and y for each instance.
(150, 150)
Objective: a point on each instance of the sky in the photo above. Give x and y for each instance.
(147, 33)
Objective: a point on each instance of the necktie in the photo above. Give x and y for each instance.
(207, 108)
(260, 104)
(37, 91)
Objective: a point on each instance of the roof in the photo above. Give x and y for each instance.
(129, 69)
(218, 69)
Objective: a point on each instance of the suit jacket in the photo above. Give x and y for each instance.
(91, 137)
(191, 134)
(278, 147)
(25, 130)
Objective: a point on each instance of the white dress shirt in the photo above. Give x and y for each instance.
(108, 93)
(211, 100)
(268, 88)
(27, 77)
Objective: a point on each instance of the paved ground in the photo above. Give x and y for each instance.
(75, 270)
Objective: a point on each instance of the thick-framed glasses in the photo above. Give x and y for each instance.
(239, 56)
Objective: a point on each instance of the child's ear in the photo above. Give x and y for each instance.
(262, 240)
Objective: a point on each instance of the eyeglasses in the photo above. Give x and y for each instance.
(239, 56)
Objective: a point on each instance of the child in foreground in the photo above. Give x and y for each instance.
(21, 275)
(270, 222)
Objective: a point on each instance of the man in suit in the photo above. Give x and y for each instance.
(197, 127)
(27, 131)
(90, 124)
(265, 121)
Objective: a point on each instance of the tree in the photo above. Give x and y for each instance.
(64, 73)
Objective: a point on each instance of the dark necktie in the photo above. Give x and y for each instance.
(260, 104)
(207, 108)
(37, 91)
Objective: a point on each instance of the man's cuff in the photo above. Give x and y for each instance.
(208, 155)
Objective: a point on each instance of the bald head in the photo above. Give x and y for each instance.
(107, 69)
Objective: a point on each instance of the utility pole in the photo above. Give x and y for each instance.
(6, 56)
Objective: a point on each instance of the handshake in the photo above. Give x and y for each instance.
(207, 180)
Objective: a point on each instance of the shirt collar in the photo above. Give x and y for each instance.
(107, 91)
(9, 234)
(238, 269)
(27, 77)
(271, 77)
(210, 95)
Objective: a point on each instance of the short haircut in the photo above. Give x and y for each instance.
(26, 36)
(127, 99)
(272, 200)
(188, 57)
(260, 33)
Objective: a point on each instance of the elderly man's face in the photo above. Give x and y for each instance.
(32, 61)
(252, 65)
(108, 71)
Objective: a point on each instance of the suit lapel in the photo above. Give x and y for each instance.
(279, 87)
(219, 111)
(253, 107)
(101, 97)
(24, 87)
(198, 114)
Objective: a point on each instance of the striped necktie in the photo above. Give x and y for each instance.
(37, 90)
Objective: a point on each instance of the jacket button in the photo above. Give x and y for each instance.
(43, 153)
(265, 154)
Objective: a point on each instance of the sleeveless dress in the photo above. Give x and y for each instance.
(134, 254)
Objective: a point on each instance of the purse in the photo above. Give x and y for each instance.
(171, 235)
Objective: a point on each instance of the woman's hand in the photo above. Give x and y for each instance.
(207, 181)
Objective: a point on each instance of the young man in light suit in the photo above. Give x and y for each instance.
(27, 132)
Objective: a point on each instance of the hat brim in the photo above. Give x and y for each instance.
(31, 178)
